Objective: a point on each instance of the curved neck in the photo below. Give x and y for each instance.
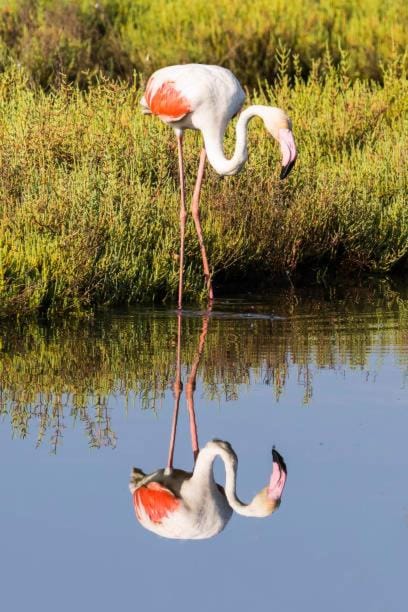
(213, 140)
(203, 471)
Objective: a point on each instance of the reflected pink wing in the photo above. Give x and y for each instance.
(157, 501)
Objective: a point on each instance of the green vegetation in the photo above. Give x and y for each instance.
(79, 38)
(70, 371)
(89, 187)
(90, 199)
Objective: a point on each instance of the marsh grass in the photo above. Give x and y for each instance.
(83, 38)
(89, 194)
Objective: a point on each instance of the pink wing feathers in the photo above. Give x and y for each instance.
(157, 501)
(166, 101)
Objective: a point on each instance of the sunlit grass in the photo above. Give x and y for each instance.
(80, 38)
(89, 193)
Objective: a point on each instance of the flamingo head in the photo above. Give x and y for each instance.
(279, 126)
(269, 498)
(278, 478)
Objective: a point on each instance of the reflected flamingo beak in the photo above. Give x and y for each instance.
(278, 478)
(288, 149)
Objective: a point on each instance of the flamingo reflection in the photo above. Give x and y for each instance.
(177, 504)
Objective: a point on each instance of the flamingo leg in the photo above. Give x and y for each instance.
(190, 388)
(196, 216)
(177, 389)
(183, 215)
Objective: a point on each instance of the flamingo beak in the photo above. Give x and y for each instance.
(278, 478)
(288, 149)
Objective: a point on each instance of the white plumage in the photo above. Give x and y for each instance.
(206, 98)
(180, 505)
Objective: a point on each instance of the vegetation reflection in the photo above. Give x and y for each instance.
(69, 371)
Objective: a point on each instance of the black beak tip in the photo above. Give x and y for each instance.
(277, 458)
(283, 173)
(287, 169)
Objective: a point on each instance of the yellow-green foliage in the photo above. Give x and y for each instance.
(89, 193)
(70, 370)
(81, 37)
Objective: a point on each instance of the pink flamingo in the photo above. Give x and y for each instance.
(191, 505)
(206, 98)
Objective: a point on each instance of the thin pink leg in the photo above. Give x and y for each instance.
(196, 216)
(190, 388)
(177, 388)
(183, 215)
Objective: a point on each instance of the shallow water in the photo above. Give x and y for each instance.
(323, 376)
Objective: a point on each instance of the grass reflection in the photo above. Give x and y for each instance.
(68, 371)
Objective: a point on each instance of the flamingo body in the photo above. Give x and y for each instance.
(195, 96)
(155, 500)
(172, 506)
(203, 97)
(191, 506)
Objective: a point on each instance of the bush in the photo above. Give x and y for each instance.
(82, 38)
(89, 194)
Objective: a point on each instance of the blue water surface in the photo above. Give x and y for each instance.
(70, 540)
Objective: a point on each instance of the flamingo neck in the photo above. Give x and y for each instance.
(213, 140)
(203, 471)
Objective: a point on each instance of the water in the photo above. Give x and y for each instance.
(323, 376)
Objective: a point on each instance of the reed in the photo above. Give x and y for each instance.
(89, 193)
(83, 38)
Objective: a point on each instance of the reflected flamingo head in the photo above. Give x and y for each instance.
(268, 499)
(278, 479)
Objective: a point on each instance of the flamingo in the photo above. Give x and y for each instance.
(184, 505)
(204, 97)
(192, 506)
